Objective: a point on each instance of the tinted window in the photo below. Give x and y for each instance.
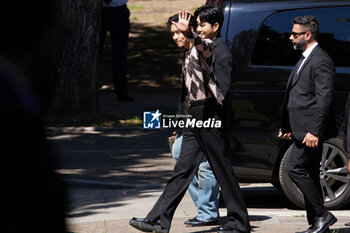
(273, 46)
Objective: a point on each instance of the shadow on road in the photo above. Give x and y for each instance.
(126, 156)
(266, 197)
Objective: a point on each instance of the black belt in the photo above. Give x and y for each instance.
(209, 101)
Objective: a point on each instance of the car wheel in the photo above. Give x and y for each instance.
(335, 180)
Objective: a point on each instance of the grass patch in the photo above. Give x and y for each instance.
(131, 121)
(134, 19)
(105, 227)
(133, 7)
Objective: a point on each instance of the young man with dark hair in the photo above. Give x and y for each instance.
(306, 118)
(204, 188)
(202, 99)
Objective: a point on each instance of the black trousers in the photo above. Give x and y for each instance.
(210, 141)
(116, 21)
(304, 170)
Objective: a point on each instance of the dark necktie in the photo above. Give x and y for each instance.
(297, 66)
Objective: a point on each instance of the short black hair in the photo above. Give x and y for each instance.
(210, 14)
(175, 18)
(308, 21)
(217, 3)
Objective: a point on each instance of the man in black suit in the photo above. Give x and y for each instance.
(204, 188)
(203, 100)
(306, 118)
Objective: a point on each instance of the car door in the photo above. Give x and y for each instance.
(259, 83)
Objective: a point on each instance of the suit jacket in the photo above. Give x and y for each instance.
(223, 70)
(344, 131)
(307, 103)
(222, 66)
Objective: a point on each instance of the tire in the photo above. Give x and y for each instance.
(335, 180)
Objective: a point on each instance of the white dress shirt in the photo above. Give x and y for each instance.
(306, 54)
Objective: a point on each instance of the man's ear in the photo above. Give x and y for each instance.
(216, 27)
(308, 36)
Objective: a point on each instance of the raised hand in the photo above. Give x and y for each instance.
(184, 21)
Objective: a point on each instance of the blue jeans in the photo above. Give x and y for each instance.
(204, 189)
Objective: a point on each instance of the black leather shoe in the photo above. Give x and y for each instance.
(198, 223)
(143, 224)
(323, 223)
(309, 230)
(227, 229)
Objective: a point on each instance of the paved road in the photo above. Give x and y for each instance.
(117, 173)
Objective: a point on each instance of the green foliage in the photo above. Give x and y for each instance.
(133, 7)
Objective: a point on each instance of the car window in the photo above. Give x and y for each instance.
(273, 46)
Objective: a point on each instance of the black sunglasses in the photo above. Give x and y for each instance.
(297, 34)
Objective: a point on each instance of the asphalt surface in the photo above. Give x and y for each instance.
(113, 174)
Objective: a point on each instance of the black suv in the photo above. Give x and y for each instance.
(257, 33)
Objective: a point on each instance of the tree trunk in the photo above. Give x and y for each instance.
(77, 58)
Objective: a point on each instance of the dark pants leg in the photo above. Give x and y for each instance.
(304, 170)
(185, 169)
(212, 142)
(116, 20)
